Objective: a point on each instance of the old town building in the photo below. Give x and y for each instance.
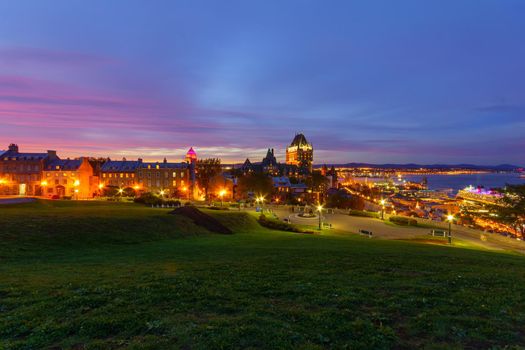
(69, 178)
(21, 173)
(171, 179)
(120, 173)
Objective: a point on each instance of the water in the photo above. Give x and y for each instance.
(458, 182)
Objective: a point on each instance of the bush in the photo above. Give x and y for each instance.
(367, 214)
(149, 199)
(278, 225)
(401, 220)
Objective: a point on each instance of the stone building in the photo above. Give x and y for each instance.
(69, 178)
(120, 173)
(20, 173)
(170, 179)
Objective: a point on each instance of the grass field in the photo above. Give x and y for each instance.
(107, 275)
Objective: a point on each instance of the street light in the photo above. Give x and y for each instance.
(221, 194)
(320, 210)
(261, 200)
(383, 209)
(450, 218)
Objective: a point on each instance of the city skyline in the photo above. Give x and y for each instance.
(440, 82)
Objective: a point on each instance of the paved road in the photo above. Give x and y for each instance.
(16, 200)
(383, 230)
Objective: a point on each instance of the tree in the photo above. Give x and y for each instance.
(511, 207)
(205, 171)
(256, 183)
(317, 182)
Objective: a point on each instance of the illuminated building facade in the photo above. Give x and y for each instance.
(168, 178)
(69, 178)
(119, 173)
(20, 173)
(300, 153)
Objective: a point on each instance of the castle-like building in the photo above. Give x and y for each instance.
(300, 153)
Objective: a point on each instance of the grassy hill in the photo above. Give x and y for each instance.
(107, 275)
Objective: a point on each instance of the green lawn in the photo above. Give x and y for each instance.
(113, 275)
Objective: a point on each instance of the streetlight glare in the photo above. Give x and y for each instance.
(450, 217)
(319, 208)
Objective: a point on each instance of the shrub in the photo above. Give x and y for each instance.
(368, 214)
(401, 220)
(148, 198)
(278, 225)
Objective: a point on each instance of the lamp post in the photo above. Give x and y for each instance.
(261, 199)
(120, 191)
(43, 184)
(383, 209)
(221, 194)
(450, 218)
(320, 210)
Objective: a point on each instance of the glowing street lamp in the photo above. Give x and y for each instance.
(76, 183)
(162, 192)
(100, 186)
(320, 210)
(221, 194)
(120, 191)
(382, 209)
(450, 218)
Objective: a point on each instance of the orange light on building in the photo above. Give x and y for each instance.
(43, 183)
(136, 187)
(76, 183)
(100, 186)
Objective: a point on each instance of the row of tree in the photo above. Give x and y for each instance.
(511, 208)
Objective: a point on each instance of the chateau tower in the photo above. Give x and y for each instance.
(300, 153)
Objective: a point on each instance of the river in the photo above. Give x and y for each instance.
(458, 182)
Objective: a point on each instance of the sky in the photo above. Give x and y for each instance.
(372, 81)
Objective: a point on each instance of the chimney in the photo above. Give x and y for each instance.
(13, 148)
(140, 160)
(165, 160)
(51, 154)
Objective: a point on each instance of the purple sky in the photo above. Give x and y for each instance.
(365, 81)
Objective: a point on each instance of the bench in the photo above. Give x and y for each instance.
(365, 233)
(327, 225)
(438, 233)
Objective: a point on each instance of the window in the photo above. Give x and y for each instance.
(132, 175)
(174, 183)
(57, 182)
(157, 167)
(104, 175)
(166, 175)
(121, 175)
(64, 181)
